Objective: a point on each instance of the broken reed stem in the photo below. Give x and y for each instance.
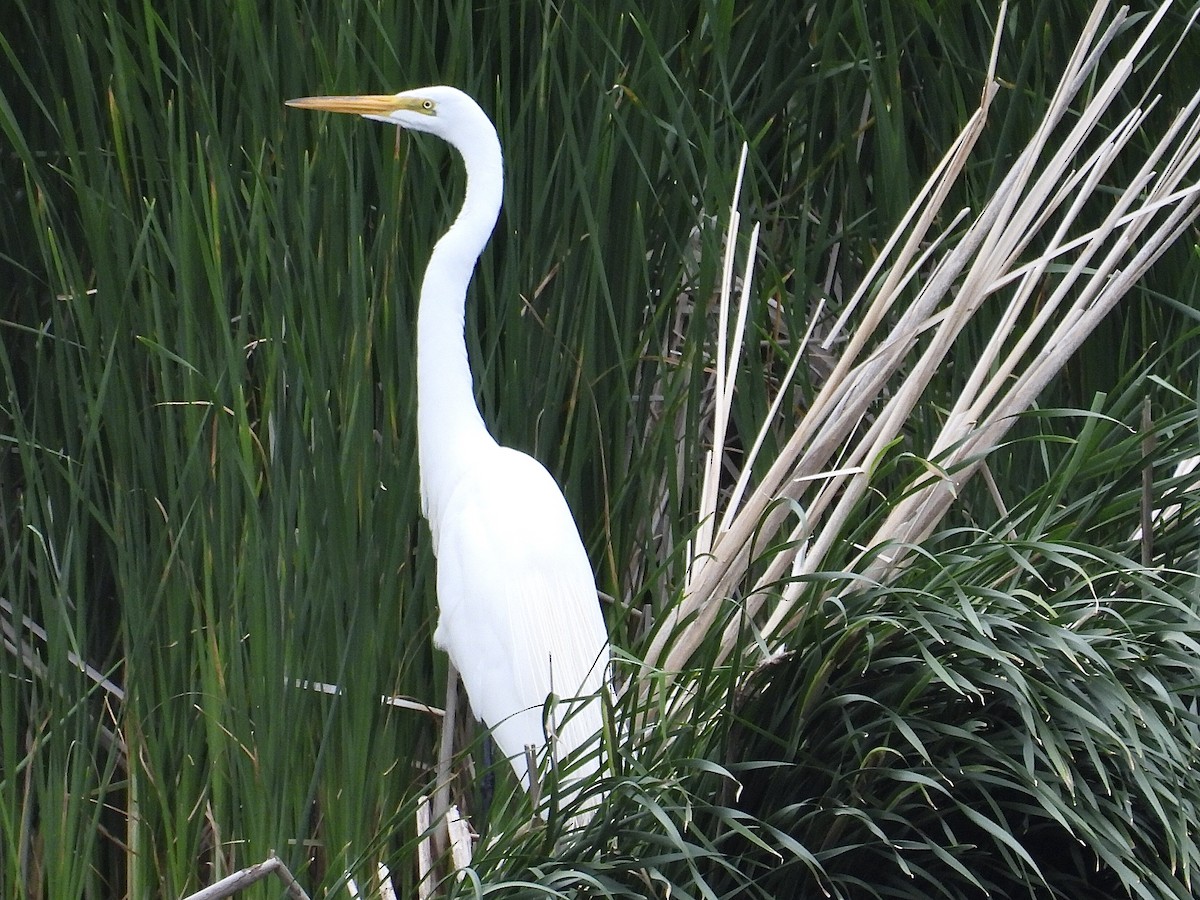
(240, 880)
(425, 885)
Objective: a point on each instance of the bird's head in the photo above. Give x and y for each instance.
(439, 110)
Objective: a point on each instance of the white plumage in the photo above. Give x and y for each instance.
(541, 631)
(518, 611)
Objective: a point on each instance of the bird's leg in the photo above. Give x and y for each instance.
(535, 785)
(441, 796)
(487, 785)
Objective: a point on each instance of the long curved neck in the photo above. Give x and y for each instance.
(450, 430)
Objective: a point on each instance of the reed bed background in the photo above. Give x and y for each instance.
(894, 510)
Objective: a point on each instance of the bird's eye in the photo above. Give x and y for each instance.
(427, 105)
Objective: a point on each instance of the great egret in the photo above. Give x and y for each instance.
(518, 611)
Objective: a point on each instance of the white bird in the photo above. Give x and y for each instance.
(518, 610)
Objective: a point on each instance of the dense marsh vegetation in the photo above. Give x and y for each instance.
(894, 680)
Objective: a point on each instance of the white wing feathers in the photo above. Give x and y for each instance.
(518, 609)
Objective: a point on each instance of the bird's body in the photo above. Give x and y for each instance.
(518, 611)
(542, 632)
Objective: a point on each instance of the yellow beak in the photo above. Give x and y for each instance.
(368, 105)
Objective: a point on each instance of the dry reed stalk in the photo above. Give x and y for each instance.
(824, 470)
